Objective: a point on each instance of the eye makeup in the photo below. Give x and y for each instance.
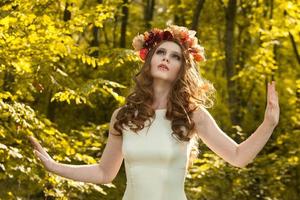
(174, 53)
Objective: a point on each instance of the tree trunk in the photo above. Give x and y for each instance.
(51, 106)
(230, 13)
(176, 16)
(197, 11)
(294, 47)
(240, 60)
(179, 16)
(67, 13)
(148, 13)
(124, 24)
(275, 46)
(114, 32)
(9, 79)
(95, 42)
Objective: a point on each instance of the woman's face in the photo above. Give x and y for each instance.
(166, 61)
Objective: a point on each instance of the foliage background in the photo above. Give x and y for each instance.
(66, 65)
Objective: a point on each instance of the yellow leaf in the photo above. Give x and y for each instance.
(22, 66)
(94, 63)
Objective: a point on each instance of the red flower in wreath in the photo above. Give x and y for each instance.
(143, 53)
(143, 43)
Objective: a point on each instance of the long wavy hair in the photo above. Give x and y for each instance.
(188, 92)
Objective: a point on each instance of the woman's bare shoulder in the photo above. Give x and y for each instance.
(113, 120)
(115, 112)
(200, 114)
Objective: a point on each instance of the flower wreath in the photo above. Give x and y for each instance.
(143, 43)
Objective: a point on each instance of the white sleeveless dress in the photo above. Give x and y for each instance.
(155, 162)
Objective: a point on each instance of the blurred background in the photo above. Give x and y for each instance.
(66, 65)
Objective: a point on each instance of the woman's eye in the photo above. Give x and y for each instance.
(160, 51)
(178, 58)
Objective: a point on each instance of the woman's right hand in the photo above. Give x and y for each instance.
(42, 155)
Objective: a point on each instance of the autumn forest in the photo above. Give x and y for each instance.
(65, 66)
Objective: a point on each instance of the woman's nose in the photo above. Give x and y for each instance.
(165, 58)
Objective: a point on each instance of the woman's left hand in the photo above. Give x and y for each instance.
(272, 108)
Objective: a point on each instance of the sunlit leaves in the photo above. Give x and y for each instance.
(14, 152)
(39, 56)
(7, 22)
(19, 113)
(57, 75)
(103, 12)
(81, 94)
(69, 95)
(94, 61)
(22, 66)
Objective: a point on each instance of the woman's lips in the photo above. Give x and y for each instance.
(163, 67)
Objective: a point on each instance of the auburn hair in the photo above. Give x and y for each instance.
(188, 92)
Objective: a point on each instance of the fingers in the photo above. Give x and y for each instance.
(271, 88)
(35, 143)
(48, 163)
(40, 156)
(38, 147)
(269, 92)
(272, 96)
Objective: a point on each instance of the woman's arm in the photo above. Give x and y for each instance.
(248, 149)
(100, 173)
(238, 155)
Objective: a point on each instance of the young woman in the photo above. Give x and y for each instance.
(155, 130)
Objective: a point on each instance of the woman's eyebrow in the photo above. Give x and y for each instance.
(172, 51)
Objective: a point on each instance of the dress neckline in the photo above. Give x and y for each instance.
(160, 110)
